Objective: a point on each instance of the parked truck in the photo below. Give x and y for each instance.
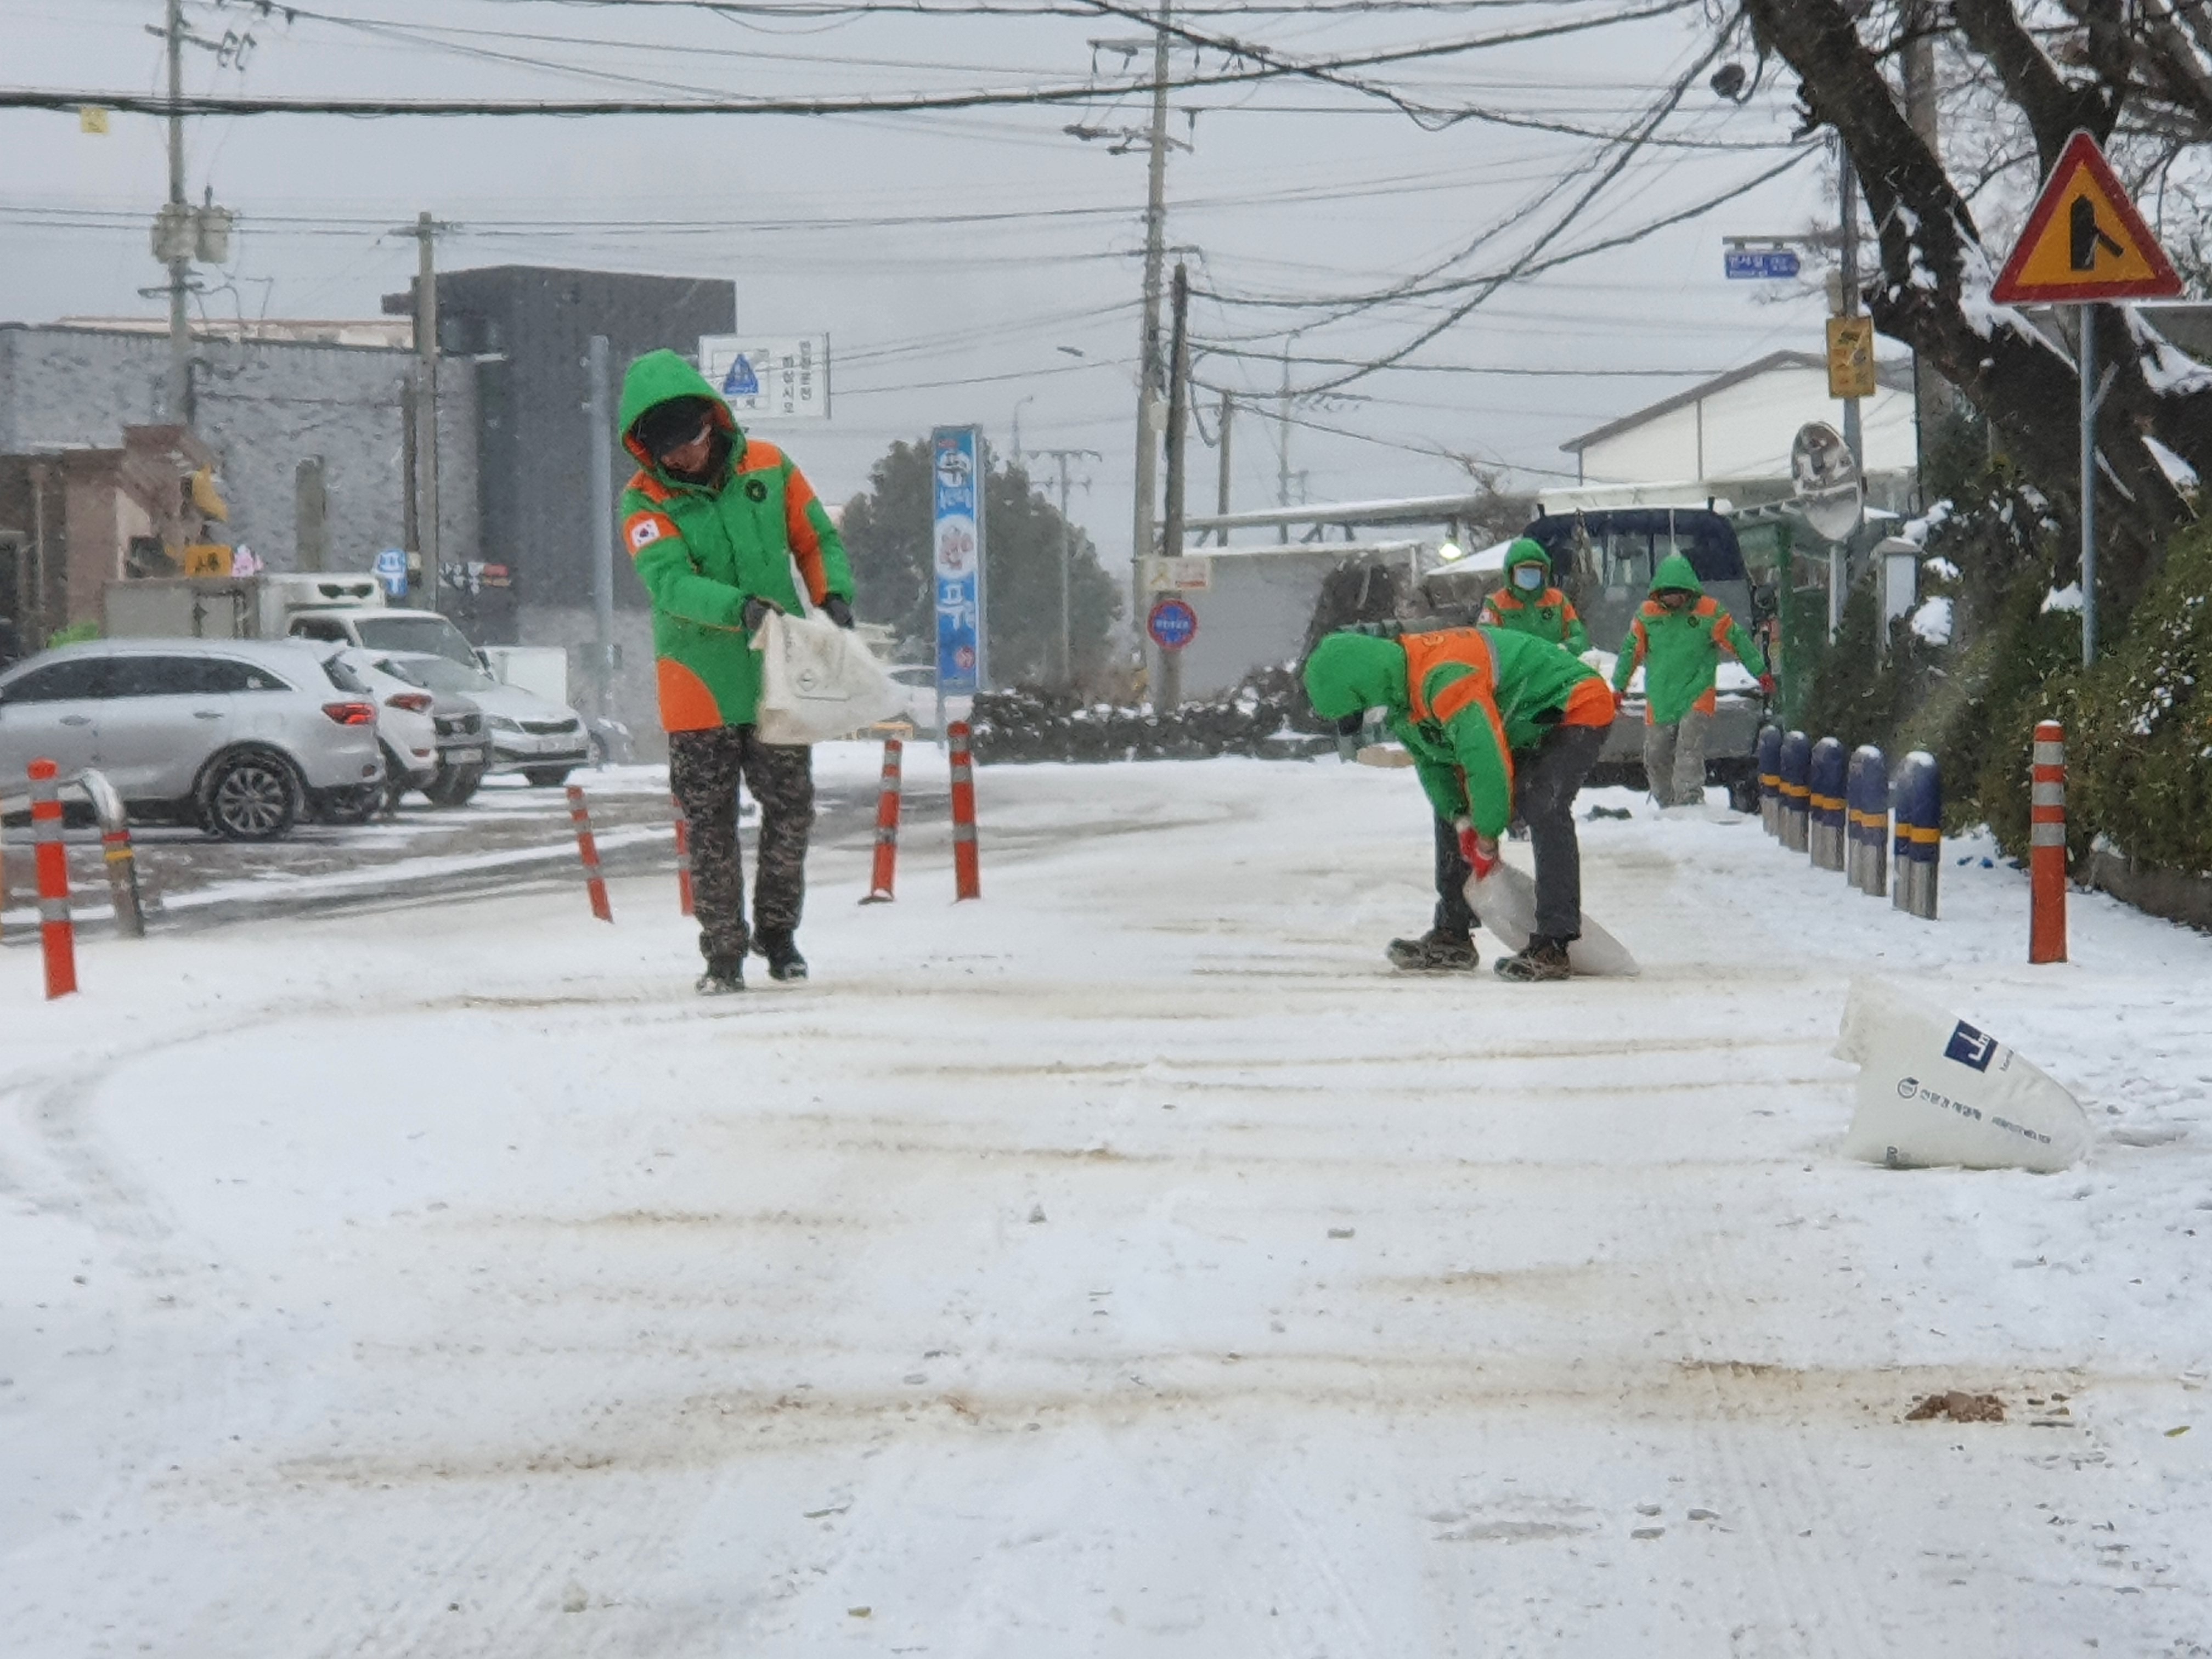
(260, 607)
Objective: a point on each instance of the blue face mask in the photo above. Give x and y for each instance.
(1528, 577)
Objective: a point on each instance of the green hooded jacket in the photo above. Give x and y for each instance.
(1463, 743)
(1680, 650)
(702, 550)
(1543, 610)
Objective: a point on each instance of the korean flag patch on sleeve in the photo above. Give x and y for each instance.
(645, 528)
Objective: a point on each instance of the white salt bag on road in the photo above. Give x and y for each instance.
(1505, 899)
(1933, 1090)
(818, 682)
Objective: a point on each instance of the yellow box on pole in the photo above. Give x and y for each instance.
(1850, 357)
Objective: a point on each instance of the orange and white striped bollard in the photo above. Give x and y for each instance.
(57, 934)
(683, 859)
(967, 882)
(2046, 845)
(887, 822)
(588, 850)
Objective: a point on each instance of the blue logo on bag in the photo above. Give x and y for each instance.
(1972, 1047)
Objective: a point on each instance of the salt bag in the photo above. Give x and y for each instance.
(818, 682)
(1505, 899)
(1934, 1091)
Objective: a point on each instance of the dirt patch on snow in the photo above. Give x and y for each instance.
(1958, 1406)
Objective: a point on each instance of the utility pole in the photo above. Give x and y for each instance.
(1854, 439)
(180, 226)
(1931, 397)
(1283, 446)
(1170, 692)
(1221, 494)
(602, 541)
(1066, 555)
(425, 232)
(1149, 365)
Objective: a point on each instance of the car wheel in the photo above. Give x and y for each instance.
(395, 782)
(452, 787)
(547, 777)
(251, 795)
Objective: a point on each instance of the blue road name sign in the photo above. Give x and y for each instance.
(1759, 264)
(391, 569)
(956, 503)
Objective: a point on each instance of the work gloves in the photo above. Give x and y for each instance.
(755, 613)
(1766, 685)
(1479, 851)
(837, 610)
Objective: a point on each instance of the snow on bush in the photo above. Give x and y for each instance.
(1932, 621)
(2067, 598)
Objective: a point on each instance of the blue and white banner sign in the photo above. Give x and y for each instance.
(957, 496)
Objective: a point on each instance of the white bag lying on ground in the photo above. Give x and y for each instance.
(818, 681)
(1505, 899)
(1933, 1090)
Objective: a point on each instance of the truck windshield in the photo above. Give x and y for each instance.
(431, 633)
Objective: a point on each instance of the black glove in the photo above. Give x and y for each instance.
(755, 613)
(837, 610)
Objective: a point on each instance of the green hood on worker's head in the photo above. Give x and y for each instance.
(1350, 672)
(1674, 571)
(657, 378)
(1527, 551)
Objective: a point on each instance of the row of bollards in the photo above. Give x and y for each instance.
(1836, 807)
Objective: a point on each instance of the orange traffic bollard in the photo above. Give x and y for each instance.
(887, 820)
(683, 859)
(2046, 850)
(967, 882)
(55, 932)
(588, 850)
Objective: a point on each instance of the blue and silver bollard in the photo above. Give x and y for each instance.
(1795, 766)
(1825, 804)
(1770, 778)
(1917, 793)
(1866, 812)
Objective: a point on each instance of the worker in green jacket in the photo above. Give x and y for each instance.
(1495, 722)
(715, 523)
(1530, 602)
(1677, 639)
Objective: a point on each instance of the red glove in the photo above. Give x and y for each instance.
(1479, 851)
(1766, 685)
(1619, 701)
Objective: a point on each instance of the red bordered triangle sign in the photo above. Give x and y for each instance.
(2085, 240)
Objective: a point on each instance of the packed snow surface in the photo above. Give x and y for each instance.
(1127, 1264)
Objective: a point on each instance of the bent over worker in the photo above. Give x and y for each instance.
(714, 522)
(1677, 639)
(1531, 602)
(1494, 720)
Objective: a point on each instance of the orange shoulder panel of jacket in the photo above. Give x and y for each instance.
(1642, 634)
(759, 456)
(1573, 614)
(686, 704)
(641, 530)
(1424, 652)
(649, 487)
(1502, 600)
(1463, 694)
(1707, 605)
(1590, 703)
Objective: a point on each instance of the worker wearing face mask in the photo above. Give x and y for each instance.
(1677, 639)
(1529, 603)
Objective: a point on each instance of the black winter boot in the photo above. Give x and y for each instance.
(1544, 959)
(784, 962)
(724, 975)
(1435, 953)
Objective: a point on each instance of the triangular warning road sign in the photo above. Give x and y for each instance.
(2085, 240)
(741, 381)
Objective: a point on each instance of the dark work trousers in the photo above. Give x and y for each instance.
(1546, 779)
(704, 768)
(1453, 917)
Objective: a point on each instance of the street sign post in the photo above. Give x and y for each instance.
(769, 380)
(957, 535)
(1759, 264)
(2084, 242)
(1172, 624)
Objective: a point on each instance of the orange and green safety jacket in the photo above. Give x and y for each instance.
(1680, 651)
(703, 550)
(1462, 701)
(1543, 611)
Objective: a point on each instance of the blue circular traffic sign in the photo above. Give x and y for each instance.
(1173, 624)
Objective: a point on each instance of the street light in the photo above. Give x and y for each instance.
(1029, 398)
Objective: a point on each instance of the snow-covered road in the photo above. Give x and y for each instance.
(1128, 1264)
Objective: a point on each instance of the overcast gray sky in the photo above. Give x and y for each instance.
(1291, 190)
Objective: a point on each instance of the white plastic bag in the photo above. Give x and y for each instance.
(818, 682)
(1933, 1090)
(1505, 899)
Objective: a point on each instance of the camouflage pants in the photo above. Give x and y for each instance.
(704, 770)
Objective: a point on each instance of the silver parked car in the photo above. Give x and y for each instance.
(238, 736)
(542, 739)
